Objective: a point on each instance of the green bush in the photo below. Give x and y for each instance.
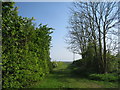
(104, 77)
(54, 64)
(25, 49)
(78, 62)
(81, 68)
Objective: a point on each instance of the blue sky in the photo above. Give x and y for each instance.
(56, 15)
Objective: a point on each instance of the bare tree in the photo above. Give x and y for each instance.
(92, 22)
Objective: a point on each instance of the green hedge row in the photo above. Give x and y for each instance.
(25, 49)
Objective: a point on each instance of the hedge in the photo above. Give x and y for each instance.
(25, 49)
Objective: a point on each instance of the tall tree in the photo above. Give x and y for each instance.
(91, 22)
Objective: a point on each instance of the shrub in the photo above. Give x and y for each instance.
(78, 62)
(104, 77)
(54, 64)
(25, 49)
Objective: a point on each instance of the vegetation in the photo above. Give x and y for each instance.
(25, 49)
(93, 35)
(63, 77)
(104, 77)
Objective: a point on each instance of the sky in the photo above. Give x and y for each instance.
(56, 15)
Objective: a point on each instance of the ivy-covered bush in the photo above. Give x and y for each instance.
(25, 49)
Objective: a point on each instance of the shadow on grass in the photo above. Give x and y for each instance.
(67, 73)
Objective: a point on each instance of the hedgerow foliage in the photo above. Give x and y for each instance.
(25, 55)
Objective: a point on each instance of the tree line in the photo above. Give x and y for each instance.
(25, 49)
(93, 34)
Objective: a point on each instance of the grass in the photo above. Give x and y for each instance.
(61, 77)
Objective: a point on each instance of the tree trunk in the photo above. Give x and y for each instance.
(100, 52)
(104, 54)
